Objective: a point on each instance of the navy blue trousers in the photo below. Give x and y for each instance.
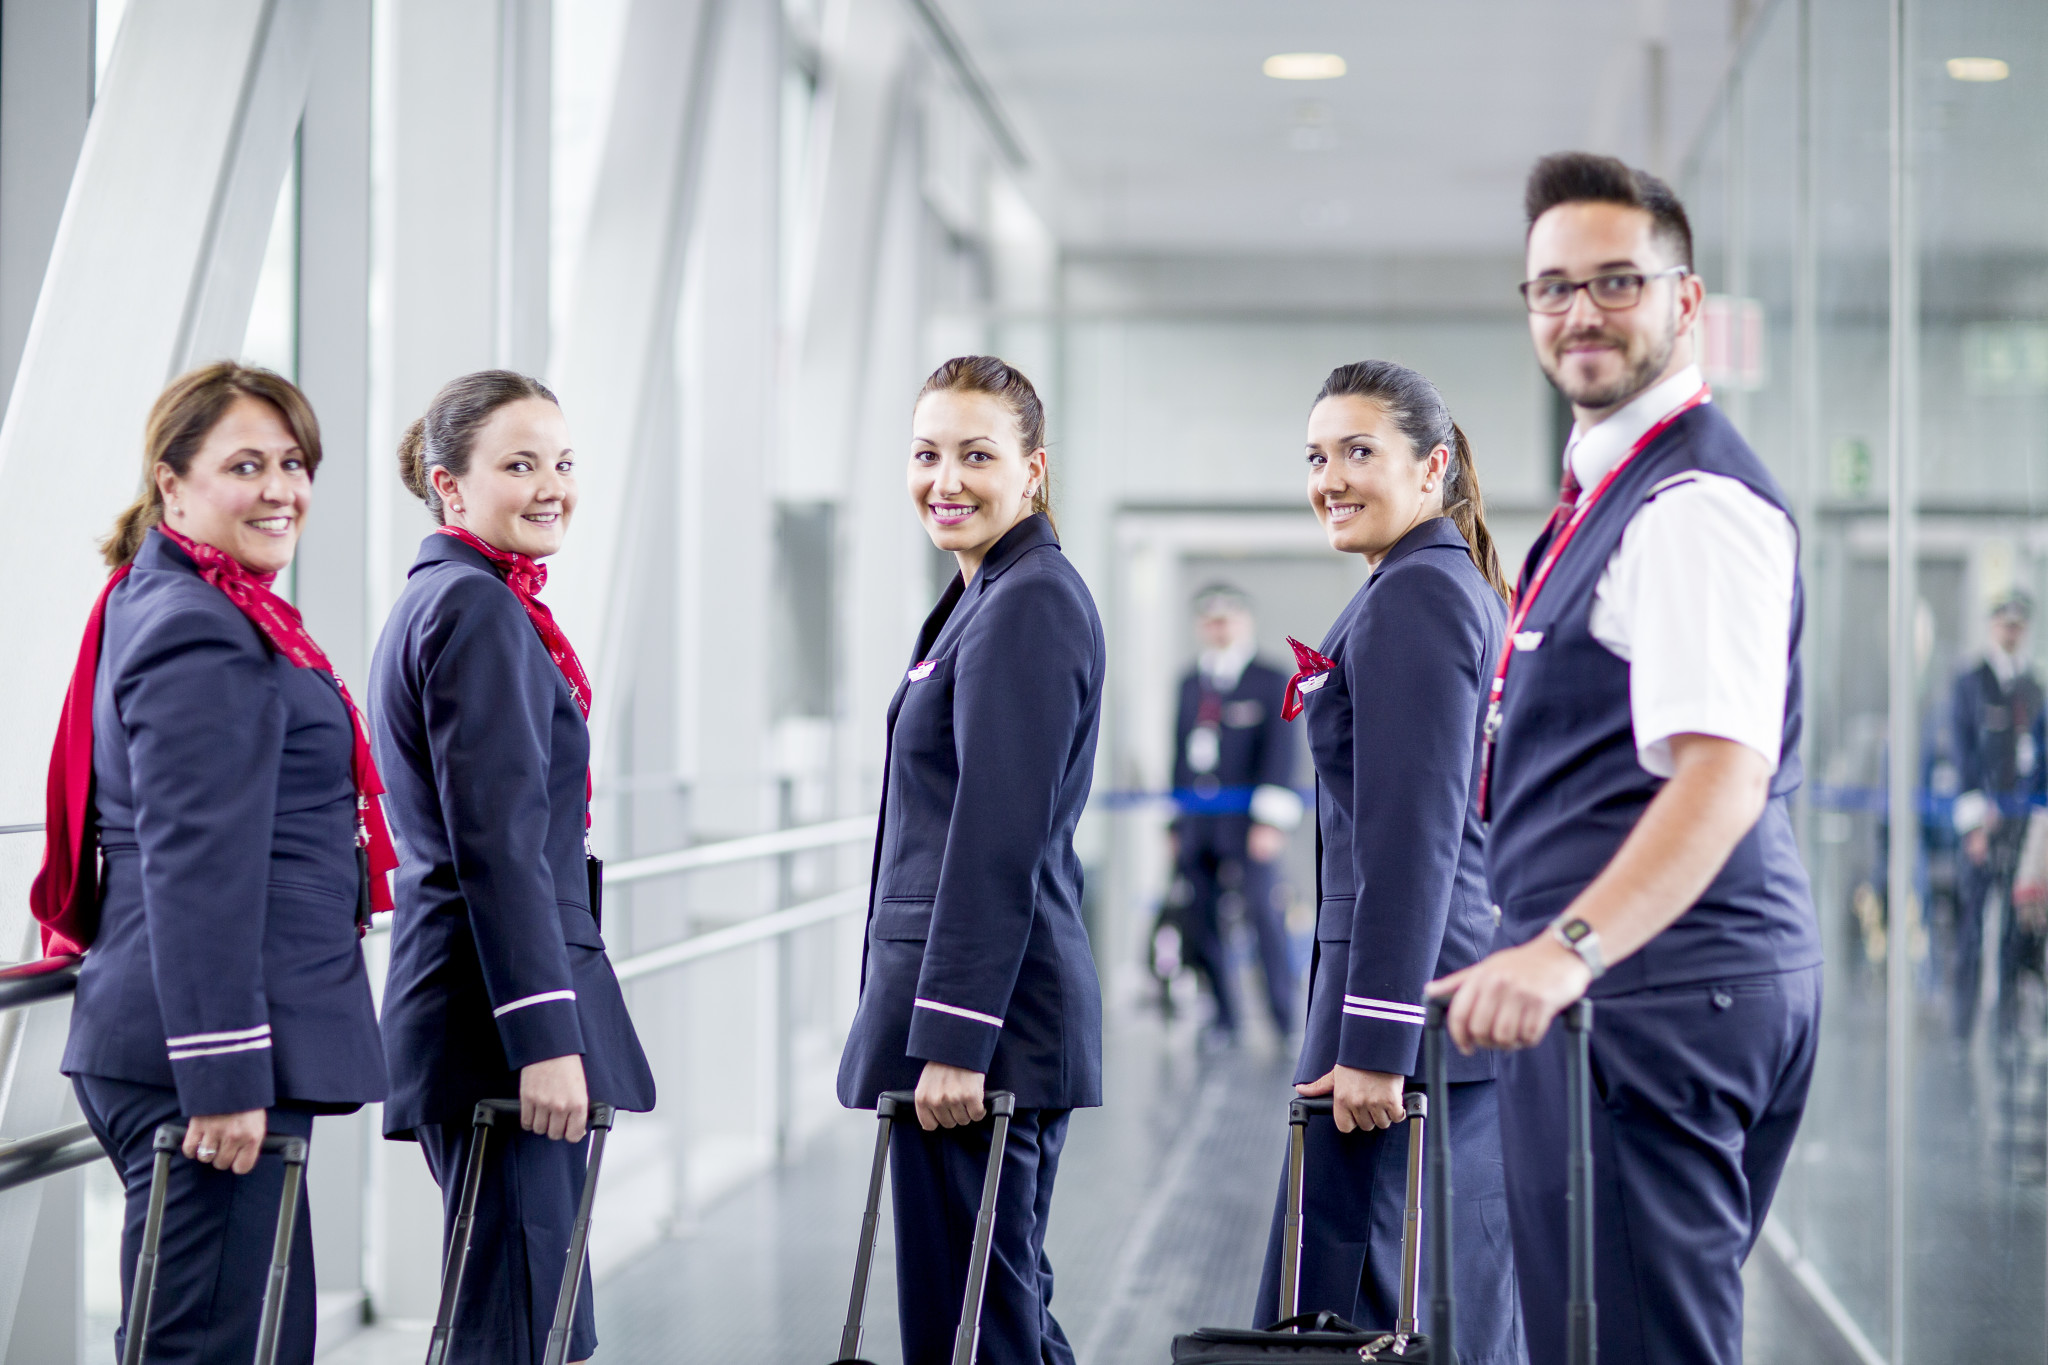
(935, 1183)
(519, 1244)
(219, 1229)
(1698, 1093)
(1355, 1203)
(1213, 860)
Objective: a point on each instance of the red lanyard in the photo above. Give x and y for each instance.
(1551, 554)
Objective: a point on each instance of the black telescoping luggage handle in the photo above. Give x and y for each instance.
(1582, 1314)
(485, 1117)
(1299, 1110)
(170, 1140)
(1001, 1105)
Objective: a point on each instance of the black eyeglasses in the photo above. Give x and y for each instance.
(1613, 292)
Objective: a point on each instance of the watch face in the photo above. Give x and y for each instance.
(1575, 930)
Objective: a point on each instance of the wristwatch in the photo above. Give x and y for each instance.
(1583, 940)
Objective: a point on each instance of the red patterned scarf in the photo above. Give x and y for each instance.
(65, 896)
(526, 576)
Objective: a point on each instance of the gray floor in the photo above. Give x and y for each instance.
(1160, 1224)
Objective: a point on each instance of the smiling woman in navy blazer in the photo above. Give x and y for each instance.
(978, 974)
(499, 983)
(1393, 707)
(223, 985)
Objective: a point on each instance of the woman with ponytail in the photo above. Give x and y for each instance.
(1394, 701)
(499, 984)
(214, 847)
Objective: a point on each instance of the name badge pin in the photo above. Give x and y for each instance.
(923, 670)
(1526, 640)
(1311, 684)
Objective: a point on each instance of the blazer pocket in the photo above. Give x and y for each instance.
(906, 921)
(578, 928)
(1333, 920)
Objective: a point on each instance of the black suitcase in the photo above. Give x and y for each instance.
(170, 1137)
(1001, 1105)
(1326, 1337)
(488, 1112)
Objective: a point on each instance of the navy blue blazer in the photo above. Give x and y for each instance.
(1394, 730)
(2001, 738)
(976, 954)
(1253, 746)
(496, 960)
(227, 963)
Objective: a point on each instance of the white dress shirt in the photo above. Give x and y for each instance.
(1697, 598)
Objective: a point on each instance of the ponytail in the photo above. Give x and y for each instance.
(1466, 508)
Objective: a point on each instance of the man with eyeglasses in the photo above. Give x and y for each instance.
(1642, 740)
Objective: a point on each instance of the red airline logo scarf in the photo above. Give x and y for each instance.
(1311, 667)
(526, 576)
(65, 896)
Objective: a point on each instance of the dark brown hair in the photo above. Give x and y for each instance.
(184, 413)
(445, 436)
(1418, 409)
(1583, 178)
(987, 374)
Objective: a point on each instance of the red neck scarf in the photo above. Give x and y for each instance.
(1308, 664)
(526, 576)
(64, 896)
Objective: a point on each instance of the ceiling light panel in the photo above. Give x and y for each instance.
(1307, 66)
(1975, 69)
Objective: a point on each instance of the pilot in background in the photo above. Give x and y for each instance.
(1996, 713)
(1233, 787)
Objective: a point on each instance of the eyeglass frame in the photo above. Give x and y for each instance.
(1643, 278)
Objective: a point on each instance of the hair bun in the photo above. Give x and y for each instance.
(412, 460)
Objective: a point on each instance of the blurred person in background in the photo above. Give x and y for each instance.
(1233, 785)
(1996, 713)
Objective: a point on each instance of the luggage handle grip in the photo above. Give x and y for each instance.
(170, 1137)
(488, 1111)
(998, 1103)
(1302, 1108)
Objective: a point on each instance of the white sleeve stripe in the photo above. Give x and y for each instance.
(1388, 1015)
(250, 1046)
(524, 1001)
(231, 1036)
(976, 1015)
(1417, 1010)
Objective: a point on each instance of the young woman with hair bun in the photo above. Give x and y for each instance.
(978, 975)
(1394, 700)
(499, 983)
(208, 749)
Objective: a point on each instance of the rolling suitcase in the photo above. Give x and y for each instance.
(487, 1114)
(1001, 1105)
(1306, 1337)
(170, 1137)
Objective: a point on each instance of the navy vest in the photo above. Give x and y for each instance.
(1566, 786)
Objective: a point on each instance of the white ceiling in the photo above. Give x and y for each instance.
(1152, 130)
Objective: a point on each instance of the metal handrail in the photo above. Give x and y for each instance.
(699, 946)
(35, 827)
(46, 978)
(47, 1154)
(741, 850)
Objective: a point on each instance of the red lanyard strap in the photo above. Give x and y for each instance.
(1551, 554)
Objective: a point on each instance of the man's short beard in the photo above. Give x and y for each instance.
(1633, 380)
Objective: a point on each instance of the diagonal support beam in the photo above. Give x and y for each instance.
(616, 376)
(154, 267)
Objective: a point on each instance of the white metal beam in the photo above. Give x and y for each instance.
(615, 375)
(854, 126)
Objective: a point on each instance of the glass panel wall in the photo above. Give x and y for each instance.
(1790, 186)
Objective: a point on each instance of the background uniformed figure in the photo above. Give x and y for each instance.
(1392, 705)
(1233, 782)
(499, 984)
(977, 974)
(1640, 845)
(1996, 712)
(225, 987)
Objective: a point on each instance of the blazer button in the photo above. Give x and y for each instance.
(1722, 1000)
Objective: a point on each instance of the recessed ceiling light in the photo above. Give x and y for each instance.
(1304, 66)
(1974, 69)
